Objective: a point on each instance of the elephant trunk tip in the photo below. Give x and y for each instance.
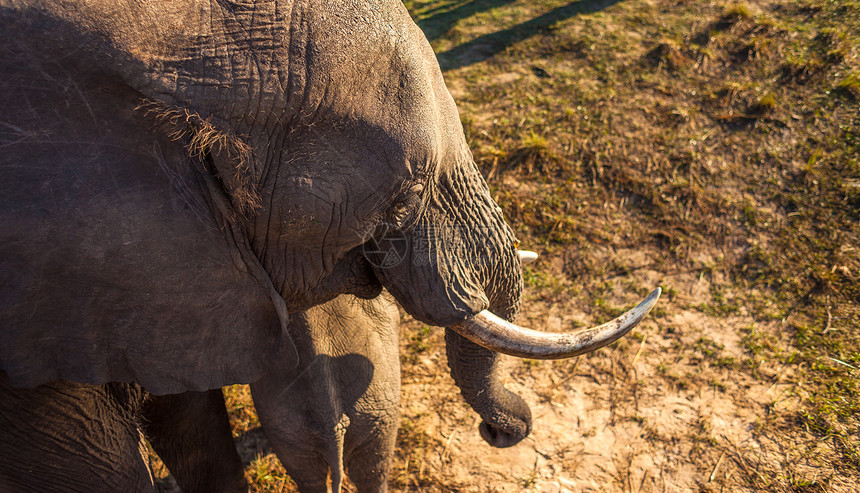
(502, 438)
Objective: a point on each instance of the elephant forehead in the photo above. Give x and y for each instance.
(376, 67)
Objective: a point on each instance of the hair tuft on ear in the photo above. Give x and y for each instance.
(202, 138)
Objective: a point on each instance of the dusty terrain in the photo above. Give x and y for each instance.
(708, 148)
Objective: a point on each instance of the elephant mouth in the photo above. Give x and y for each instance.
(363, 283)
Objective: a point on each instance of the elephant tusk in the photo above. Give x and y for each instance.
(492, 332)
(526, 256)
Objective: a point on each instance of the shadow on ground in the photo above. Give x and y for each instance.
(252, 444)
(488, 45)
(437, 24)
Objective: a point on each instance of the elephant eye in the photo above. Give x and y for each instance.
(406, 207)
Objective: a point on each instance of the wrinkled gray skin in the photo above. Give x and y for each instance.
(340, 407)
(178, 177)
(72, 437)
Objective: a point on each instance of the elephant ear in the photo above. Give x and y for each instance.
(120, 256)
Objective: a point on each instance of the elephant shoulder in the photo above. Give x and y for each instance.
(114, 264)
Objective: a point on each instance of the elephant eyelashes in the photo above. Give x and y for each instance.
(404, 212)
(407, 207)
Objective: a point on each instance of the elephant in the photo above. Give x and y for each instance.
(339, 407)
(179, 177)
(68, 436)
(348, 380)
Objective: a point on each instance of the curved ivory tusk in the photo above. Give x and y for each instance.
(492, 332)
(526, 256)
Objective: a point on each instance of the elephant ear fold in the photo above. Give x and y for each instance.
(119, 258)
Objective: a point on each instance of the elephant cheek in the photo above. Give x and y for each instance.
(351, 274)
(430, 288)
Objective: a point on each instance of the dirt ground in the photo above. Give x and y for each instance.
(614, 420)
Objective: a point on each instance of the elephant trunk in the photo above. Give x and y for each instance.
(459, 259)
(506, 417)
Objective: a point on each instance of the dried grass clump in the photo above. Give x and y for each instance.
(669, 55)
(533, 152)
(850, 85)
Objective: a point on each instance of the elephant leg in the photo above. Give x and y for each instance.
(70, 437)
(369, 466)
(190, 432)
(310, 472)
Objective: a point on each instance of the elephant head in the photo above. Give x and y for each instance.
(224, 163)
